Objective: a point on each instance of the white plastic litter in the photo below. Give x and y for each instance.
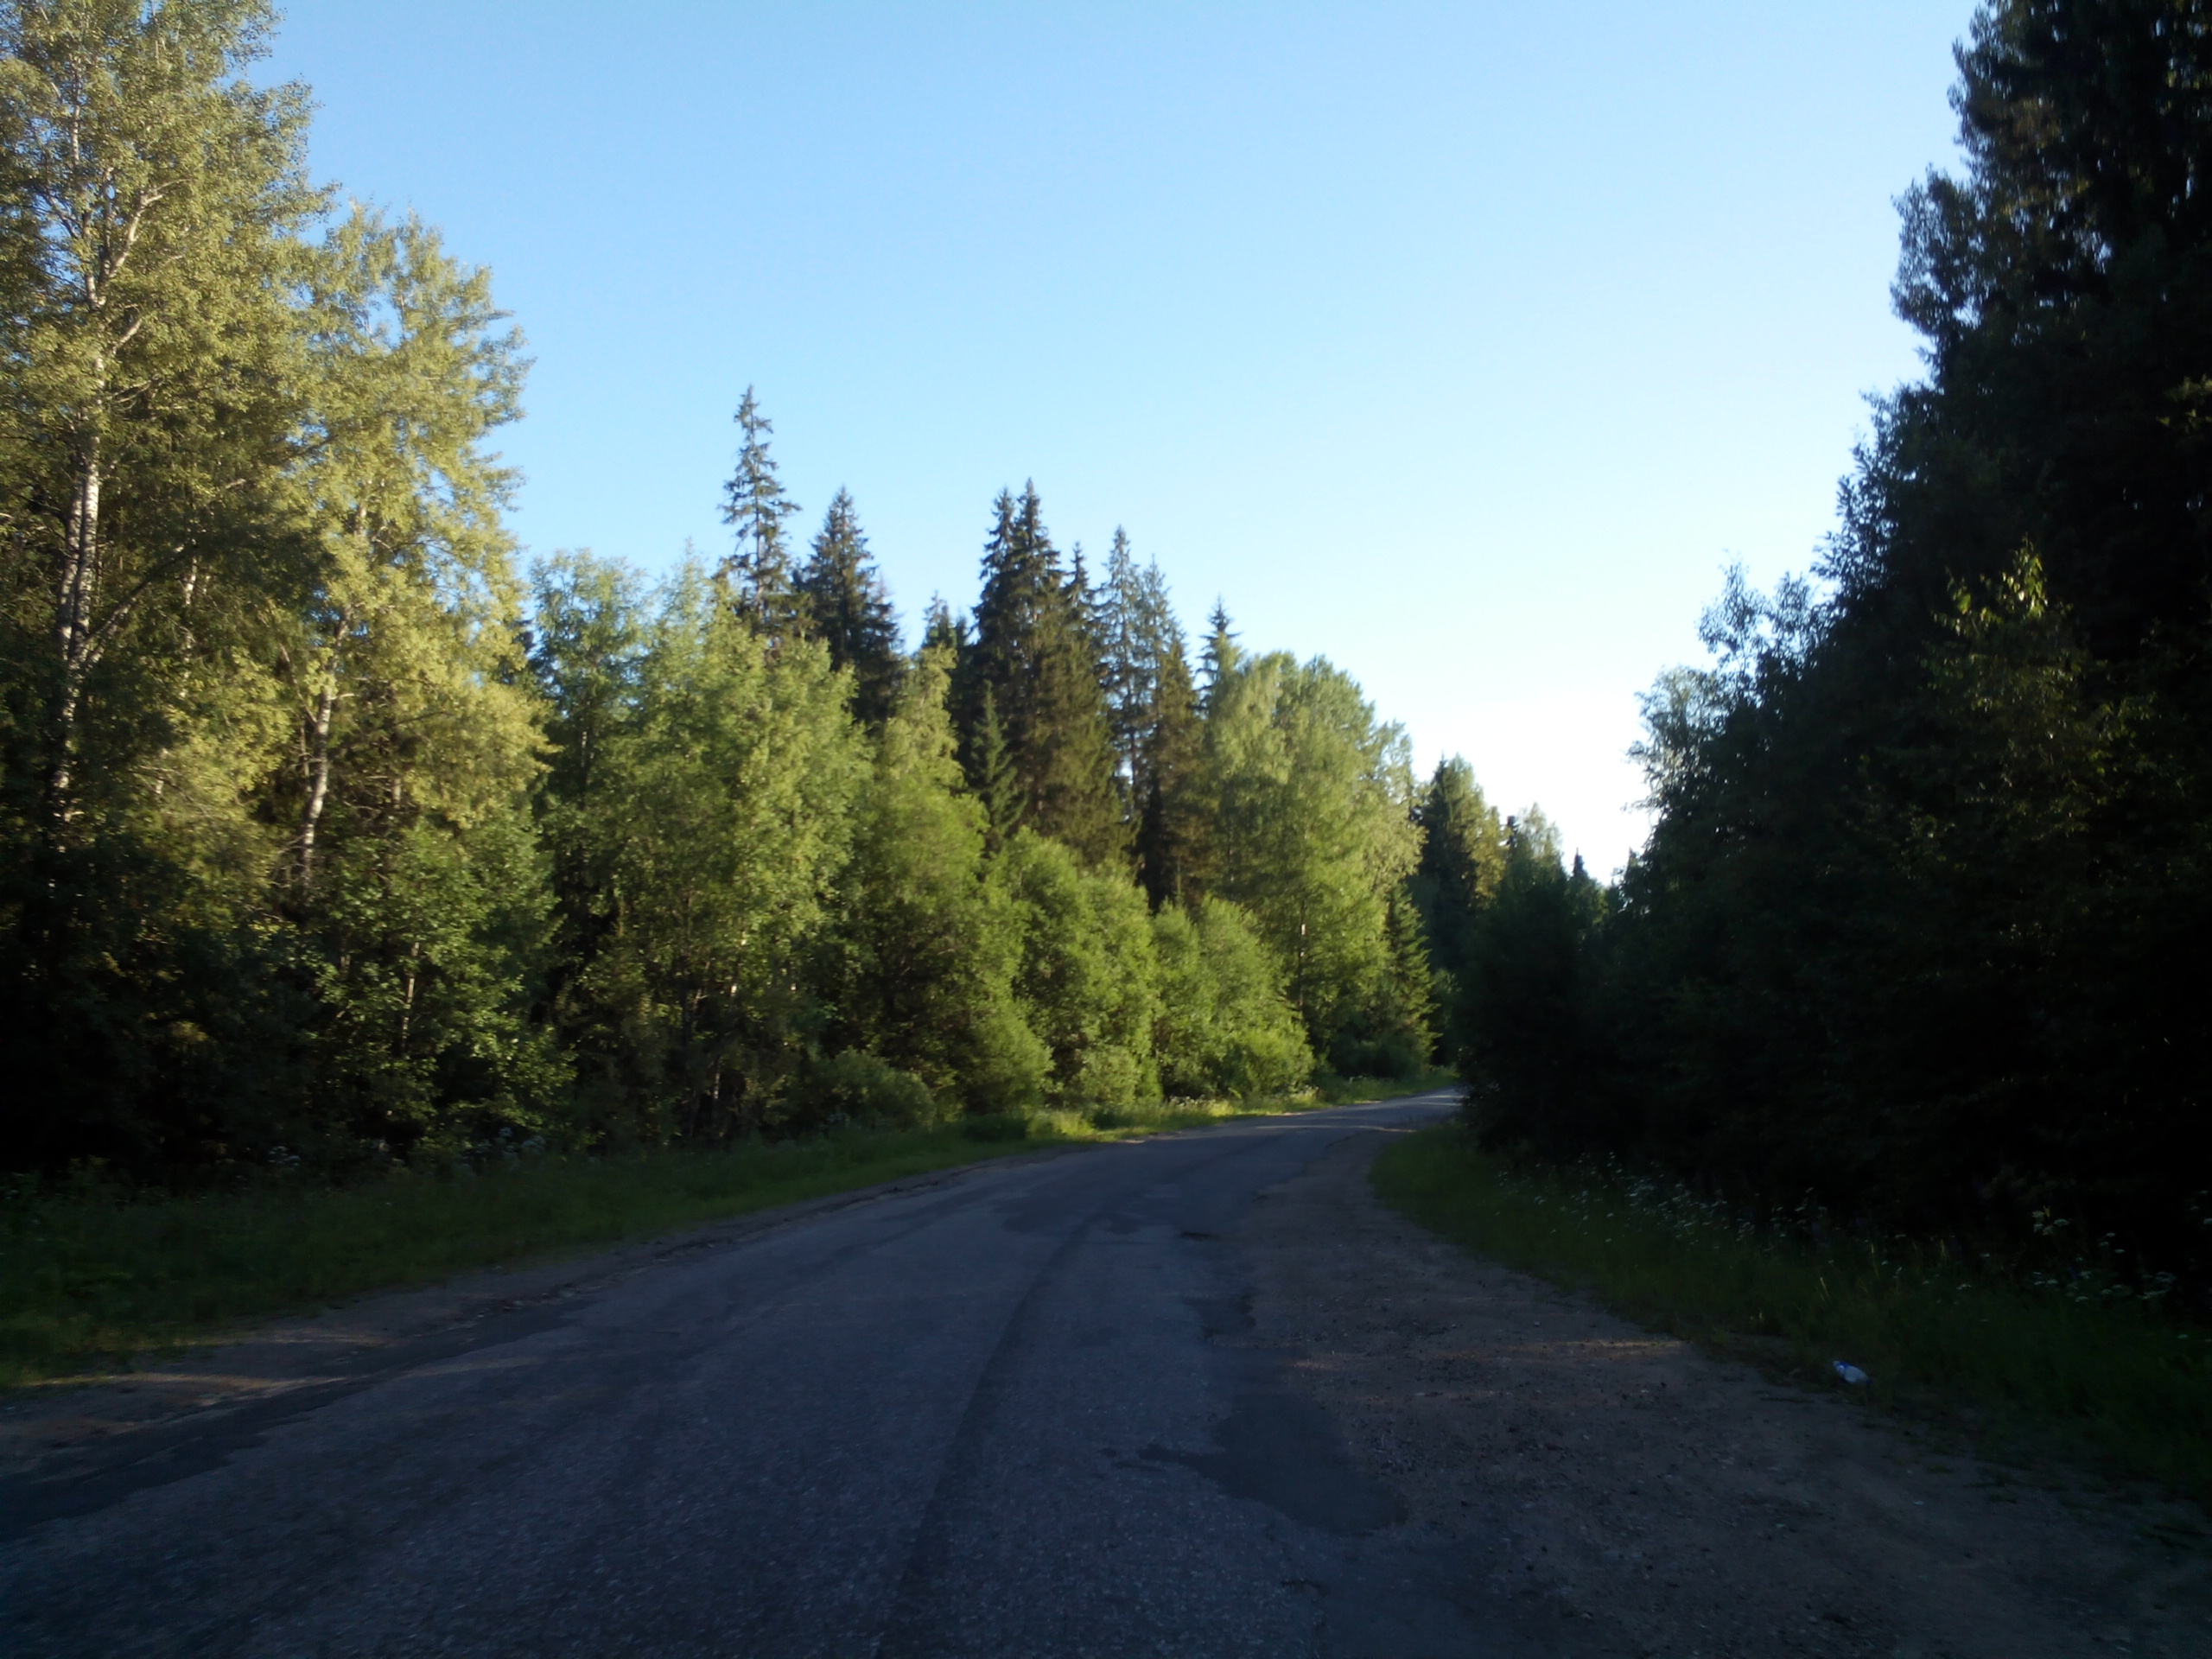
(1851, 1374)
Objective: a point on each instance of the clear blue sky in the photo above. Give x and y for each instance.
(1464, 344)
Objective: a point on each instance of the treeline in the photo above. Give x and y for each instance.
(1922, 932)
(332, 838)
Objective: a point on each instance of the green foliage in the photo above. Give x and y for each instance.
(757, 575)
(327, 846)
(1034, 657)
(1525, 1000)
(722, 843)
(1225, 1025)
(855, 1088)
(1307, 805)
(2076, 1353)
(413, 876)
(1087, 978)
(1463, 853)
(152, 371)
(1157, 733)
(1920, 926)
(925, 951)
(847, 608)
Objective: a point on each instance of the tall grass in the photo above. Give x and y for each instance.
(88, 1279)
(2069, 1349)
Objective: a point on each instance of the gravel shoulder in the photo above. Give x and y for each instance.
(1668, 1502)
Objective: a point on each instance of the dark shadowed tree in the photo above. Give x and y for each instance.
(1033, 653)
(1462, 857)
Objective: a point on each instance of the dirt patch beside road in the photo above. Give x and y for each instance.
(1675, 1503)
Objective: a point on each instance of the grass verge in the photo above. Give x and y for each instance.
(88, 1281)
(1358, 1091)
(2015, 1361)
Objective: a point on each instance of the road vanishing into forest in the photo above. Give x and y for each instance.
(1003, 1413)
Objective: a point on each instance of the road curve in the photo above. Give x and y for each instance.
(995, 1416)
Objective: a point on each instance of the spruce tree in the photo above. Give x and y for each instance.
(1129, 661)
(759, 573)
(996, 785)
(847, 608)
(942, 630)
(1033, 653)
(1220, 657)
(1171, 830)
(1462, 856)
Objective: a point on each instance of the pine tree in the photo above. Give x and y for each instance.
(753, 503)
(848, 609)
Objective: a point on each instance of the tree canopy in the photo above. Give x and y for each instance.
(331, 838)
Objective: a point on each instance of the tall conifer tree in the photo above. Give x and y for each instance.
(1171, 832)
(1034, 652)
(1221, 656)
(848, 609)
(759, 572)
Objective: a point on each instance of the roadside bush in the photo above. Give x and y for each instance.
(1087, 983)
(859, 1087)
(1224, 1026)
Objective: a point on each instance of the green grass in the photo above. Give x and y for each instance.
(87, 1282)
(1354, 1091)
(2018, 1358)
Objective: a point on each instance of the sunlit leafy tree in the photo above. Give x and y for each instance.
(1225, 1025)
(926, 950)
(414, 873)
(734, 825)
(151, 203)
(1087, 980)
(1308, 802)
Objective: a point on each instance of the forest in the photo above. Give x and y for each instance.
(1910, 944)
(336, 836)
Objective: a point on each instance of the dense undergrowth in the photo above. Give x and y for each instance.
(92, 1276)
(2016, 1350)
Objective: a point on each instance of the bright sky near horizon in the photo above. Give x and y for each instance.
(1462, 344)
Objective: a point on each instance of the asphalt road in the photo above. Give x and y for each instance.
(1006, 1415)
